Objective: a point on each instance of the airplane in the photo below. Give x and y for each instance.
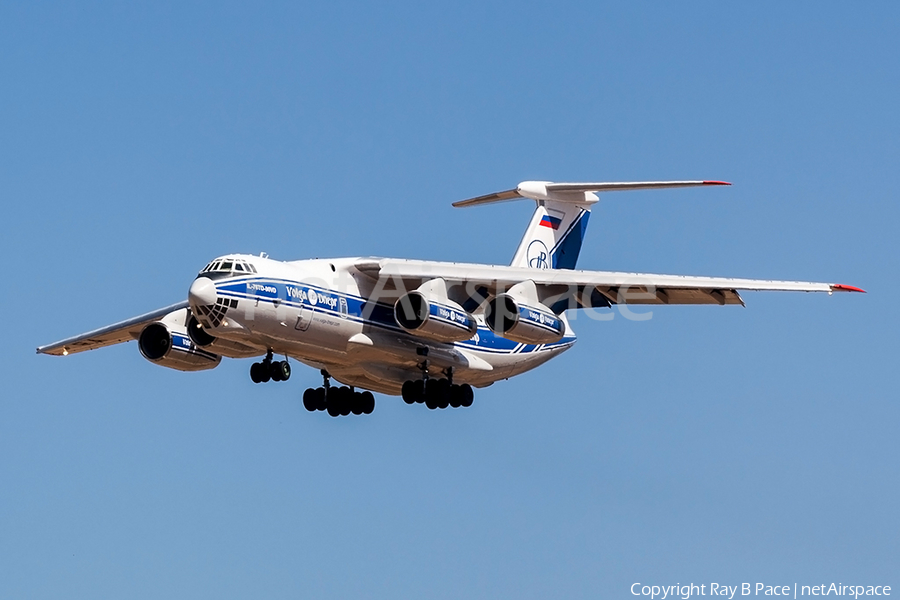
(425, 330)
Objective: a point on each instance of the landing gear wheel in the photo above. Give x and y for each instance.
(255, 375)
(408, 392)
(333, 401)
(319, 399)
(418, 389)
(345, 400)
(264, 374)
(280, 370)
(368, 402)
(432, 394)
(443, 394)
(455, 396)
(309, 400)
(467, 395)
(356, 405)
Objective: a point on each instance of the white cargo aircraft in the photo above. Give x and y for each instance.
(429, 331)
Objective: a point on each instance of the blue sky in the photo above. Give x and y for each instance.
(706, 444)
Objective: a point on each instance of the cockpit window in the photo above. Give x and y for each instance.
(224, 268)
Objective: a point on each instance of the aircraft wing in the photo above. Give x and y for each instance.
(123, 331)
(587, 288)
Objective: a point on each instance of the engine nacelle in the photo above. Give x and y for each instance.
(428, 312)
(167, 344)
(211, 343)
(521, 319)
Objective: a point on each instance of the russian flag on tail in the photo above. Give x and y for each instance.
(551, 222)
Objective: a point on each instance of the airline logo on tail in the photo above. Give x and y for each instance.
(538, 255)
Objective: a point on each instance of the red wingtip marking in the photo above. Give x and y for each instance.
(839, 287)
(716, 183)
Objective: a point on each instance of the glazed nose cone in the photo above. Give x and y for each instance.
(202, 292)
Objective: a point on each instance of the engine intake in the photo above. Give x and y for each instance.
(510, 318)
(204, 339)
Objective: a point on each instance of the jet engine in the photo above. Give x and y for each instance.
(166, 343)
(519, 316)
(429, 313)
(211, 343)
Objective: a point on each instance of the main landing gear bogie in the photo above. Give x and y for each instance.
(338, 401)
(269, 370)
(437, 393)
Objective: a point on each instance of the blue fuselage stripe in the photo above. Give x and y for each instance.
(280, 292)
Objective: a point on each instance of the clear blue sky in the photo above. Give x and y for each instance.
(705, 444)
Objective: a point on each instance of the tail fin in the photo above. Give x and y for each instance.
(554, 235)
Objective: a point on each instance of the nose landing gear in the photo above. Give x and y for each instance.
(262, 372)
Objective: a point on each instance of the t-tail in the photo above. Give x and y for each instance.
(554, 235)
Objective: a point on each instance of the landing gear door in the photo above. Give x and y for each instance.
(304, 316)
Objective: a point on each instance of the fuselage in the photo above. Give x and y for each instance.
(326, 314)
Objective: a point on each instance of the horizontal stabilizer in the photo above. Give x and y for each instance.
(581, 193)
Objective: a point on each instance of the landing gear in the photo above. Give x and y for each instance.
(280, 370)
(338, 401)
(437, 393)
(262, 372)
(259, 373)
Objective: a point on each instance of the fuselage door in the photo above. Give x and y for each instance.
(303, 319)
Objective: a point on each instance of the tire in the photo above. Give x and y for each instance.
(467, 395)
(333, 410)
(368, 402)
(264, 374)
(432, 393)
(309, 400)
(408, 392)
(443, 393)
(345, 399)
(356, 403)
(254, 373)
(280, 370)
(319, 397)
(285, 370)
(455, 396)
(418, 388)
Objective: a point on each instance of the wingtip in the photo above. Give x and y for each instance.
(716, 183)
(840, 287)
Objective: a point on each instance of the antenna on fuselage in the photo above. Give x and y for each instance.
(263, 255)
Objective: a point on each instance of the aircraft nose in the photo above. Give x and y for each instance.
(202, 292)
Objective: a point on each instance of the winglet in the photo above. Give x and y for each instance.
(839, 287)
(716, 183)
